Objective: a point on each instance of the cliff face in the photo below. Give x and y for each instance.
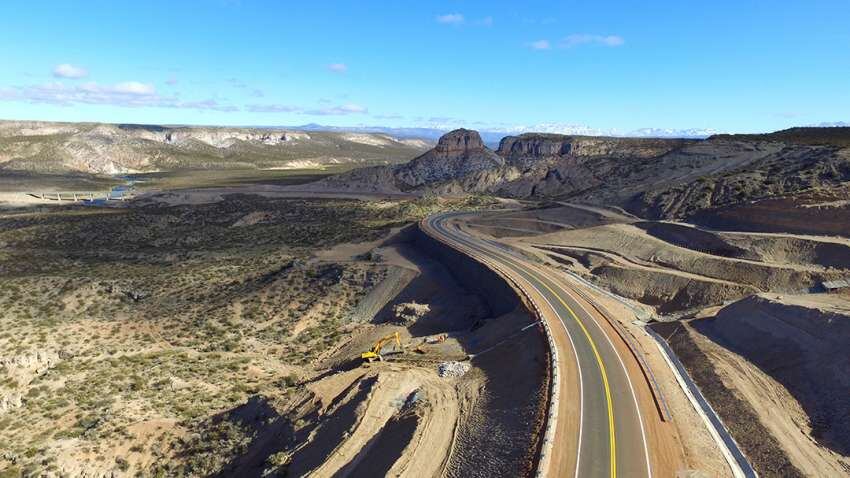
(529, 165)
(529, 148)
(562, 166)
(458, 154)
(459, 144)
(656, 178)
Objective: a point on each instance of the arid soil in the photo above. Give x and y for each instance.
(800, 343)
(821, 214)
(768, 349)
(673, 267)
(220, 333)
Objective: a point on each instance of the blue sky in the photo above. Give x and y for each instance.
(737, 66)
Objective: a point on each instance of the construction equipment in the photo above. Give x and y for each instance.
(436, 339)
(375, 353)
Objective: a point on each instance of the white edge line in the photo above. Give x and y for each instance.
(575, 354)
(628, 378)
(580, 380)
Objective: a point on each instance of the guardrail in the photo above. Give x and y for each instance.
(736, 459)
(738, 463)
(75, 196)
(548, 441)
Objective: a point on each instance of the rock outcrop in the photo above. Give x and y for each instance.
(659, 178)
(459, 163)
(458, 154)
(409, 312)
(532, 147)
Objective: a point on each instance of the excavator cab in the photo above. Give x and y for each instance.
(375, 352)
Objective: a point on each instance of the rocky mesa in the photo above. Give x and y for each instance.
(658, 178)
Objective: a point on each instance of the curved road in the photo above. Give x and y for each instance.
(608, 437)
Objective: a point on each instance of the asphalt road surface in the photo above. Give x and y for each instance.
(609, 439)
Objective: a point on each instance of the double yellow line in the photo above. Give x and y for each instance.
(608, 399)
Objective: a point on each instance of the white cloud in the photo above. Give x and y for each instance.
(338, 67)
(134, 88)
(171, 81)
(584, 130)
(129, 94)
(211, 105)
(540, 45)
(586, 39)
(450, 19)
(672, 133)
(66, 70)
(556, 128)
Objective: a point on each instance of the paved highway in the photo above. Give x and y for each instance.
(608, 438)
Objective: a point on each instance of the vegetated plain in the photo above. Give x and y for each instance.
(128, 332)
(192, 331)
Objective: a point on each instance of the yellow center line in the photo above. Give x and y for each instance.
(608, 398)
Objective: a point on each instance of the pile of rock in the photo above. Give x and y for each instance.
(453, 369)
(409, 312)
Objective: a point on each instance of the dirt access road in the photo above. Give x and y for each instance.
(607, 421)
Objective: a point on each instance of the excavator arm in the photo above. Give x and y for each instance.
(375, 353)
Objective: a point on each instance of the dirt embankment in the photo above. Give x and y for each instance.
(403, 416)
(739, 416)
(695, 239)
(791, 215)
(803, 347)
(778, 249)
(675, 267)
(502, 426)
(774, 369)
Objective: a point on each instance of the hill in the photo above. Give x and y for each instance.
(44, 147)
(835, 135)
(656, 178)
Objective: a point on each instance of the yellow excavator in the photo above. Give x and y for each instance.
(375, 353)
